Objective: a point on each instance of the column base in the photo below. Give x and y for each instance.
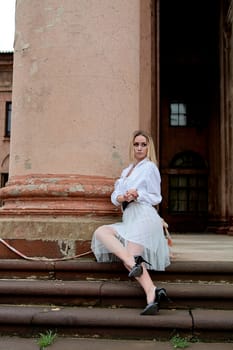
(230, 228)
(218, 225)
(57, 195)
(54, 215)
(48, 237)
(41, 250)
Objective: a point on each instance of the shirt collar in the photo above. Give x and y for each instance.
(142, 162)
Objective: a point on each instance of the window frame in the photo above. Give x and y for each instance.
(4, 179)
(181, 114)
(8, 113)
(180, 196)
(188, 184)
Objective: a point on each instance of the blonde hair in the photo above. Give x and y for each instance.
(151, 149)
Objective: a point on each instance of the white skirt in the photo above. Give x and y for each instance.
(140, 224)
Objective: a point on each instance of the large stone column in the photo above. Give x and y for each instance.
(229, 112)
(223, 149)
(76, 101)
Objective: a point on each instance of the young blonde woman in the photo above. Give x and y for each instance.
(138, 240)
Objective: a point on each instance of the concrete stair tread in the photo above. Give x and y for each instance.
(90, 264)
(183, 295)
(91, 316)
(119, 318)
(111, 288)
(110, 306)
(89, 269)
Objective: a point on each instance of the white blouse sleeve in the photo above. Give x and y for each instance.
(151, 192)
(119, 188)
(145, 179)
(116, 193)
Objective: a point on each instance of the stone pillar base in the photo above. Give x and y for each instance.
(230, 228)
(45, 250)
(57, 195)
(218, 225)
(48, 237)
(54, 216)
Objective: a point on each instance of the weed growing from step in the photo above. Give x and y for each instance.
(46, 339)
(179, 342)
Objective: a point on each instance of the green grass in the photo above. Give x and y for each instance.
(46, 339)
(179, 342)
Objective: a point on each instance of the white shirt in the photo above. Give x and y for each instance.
(145, 178)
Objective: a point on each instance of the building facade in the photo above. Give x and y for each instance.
(6, 76)
(89, 73)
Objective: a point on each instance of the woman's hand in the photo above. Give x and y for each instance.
(131, 195)
(121, 198)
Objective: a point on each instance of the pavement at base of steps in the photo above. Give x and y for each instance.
(61, 343)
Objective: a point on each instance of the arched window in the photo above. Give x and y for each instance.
(188, 184)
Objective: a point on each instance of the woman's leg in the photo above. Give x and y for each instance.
(144, 280)
(108, 236)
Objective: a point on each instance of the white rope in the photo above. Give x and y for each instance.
(41, 258)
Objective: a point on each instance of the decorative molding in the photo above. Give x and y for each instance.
(52, 194)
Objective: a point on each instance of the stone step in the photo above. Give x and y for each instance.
(85, 298)
(81, 269)
(183, 295)
(116, 323)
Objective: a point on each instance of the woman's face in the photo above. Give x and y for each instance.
(140, 148)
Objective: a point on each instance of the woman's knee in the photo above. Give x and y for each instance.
(98, 231)
(101, 231)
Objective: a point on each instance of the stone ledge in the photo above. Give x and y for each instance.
(107, 322)
(183, 295)
(51, 227)
(88, 268)
(90, 264)
(220, 319)
(120, 322)
(113, 288)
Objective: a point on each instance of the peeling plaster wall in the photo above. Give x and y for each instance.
(75, 86)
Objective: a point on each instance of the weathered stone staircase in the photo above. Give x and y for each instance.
(84, 298)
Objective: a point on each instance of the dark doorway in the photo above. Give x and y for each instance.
(189, 89)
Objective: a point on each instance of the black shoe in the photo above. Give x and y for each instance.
(161, 294)
(137, 270)
(153, 308)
